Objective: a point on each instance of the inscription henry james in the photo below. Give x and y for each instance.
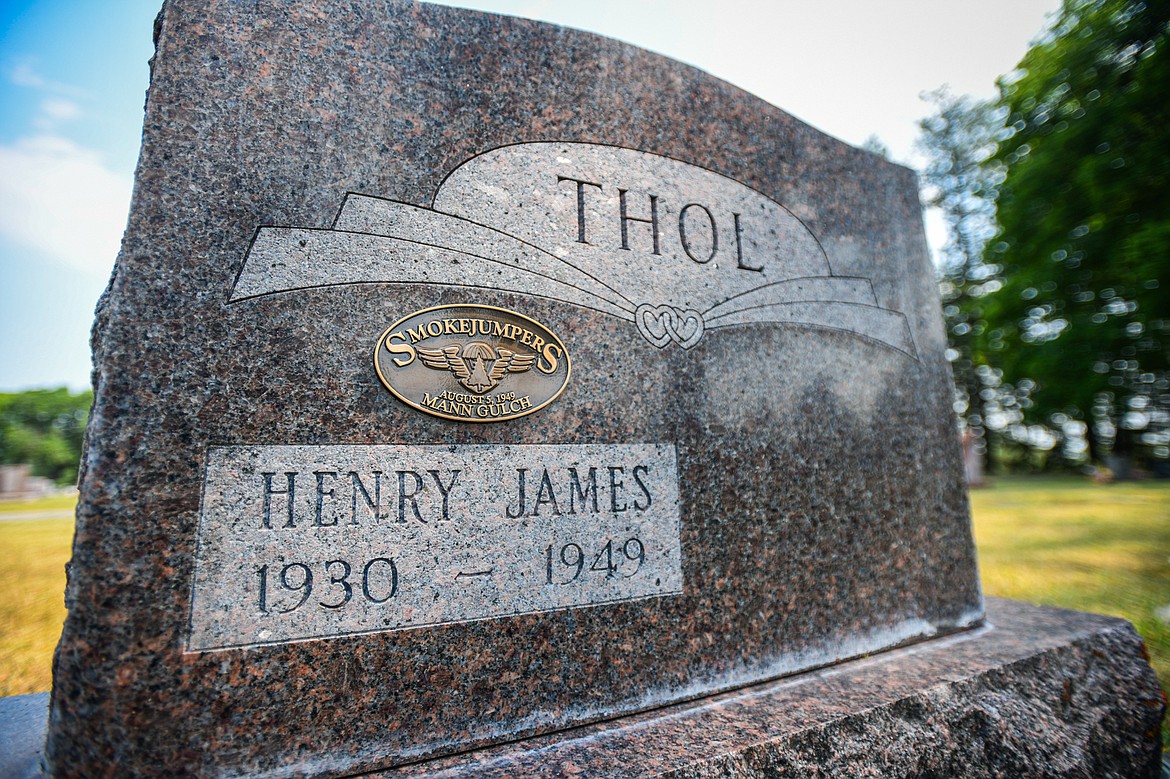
(672, 247)
(299, 542)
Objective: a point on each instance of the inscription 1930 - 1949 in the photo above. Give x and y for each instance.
(299, 542)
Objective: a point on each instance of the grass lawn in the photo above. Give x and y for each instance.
(63, 503)
(1093, 547)
(33, 580)
(1062, 542)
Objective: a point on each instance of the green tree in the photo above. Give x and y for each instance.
(1084, 215)
(960, 178)
(45, 429)
(875, 145)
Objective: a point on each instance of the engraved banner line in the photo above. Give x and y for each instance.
(286, 259)
(350, 219)
(257, 287)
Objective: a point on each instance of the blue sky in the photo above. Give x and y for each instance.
(73, 75)
(72, 80)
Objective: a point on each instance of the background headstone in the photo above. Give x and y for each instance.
(667, 413)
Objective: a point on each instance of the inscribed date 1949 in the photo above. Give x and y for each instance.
(306, 542)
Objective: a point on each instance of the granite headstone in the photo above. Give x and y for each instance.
(464, 379)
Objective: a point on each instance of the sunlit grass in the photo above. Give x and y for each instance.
(54, 503)
(1071, 543)
(32, 610)
(1093, 547)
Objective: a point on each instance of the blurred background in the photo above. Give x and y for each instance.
(1039, 130)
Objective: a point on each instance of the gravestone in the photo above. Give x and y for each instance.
(464, 380)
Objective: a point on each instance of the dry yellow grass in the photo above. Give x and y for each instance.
(33, 609)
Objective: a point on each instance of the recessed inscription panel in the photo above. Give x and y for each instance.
(303, 542)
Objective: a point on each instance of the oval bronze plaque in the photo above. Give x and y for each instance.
(472, 363)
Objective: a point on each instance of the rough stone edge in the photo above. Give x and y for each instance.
(1060, 694)
(945, 729)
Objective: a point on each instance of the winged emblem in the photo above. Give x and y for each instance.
(477, 365)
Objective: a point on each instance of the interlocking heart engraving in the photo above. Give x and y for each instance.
(662, 324)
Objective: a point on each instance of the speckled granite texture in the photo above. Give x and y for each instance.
(823, 513)
(1037, 692)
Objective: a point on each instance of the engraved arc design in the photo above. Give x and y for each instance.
(671, 247)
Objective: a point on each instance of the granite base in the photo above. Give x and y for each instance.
(1036, 692)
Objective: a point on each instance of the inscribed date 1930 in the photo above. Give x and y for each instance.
(309, 542)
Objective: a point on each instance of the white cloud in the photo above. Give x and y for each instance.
(25, 75)
(56, 108)
(53, 112)
(60, 199)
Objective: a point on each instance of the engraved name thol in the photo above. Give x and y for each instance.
(698, 229)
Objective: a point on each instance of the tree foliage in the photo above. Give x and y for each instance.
(44, 428)
(1064, 314)
(1084, 212)
(959, 141)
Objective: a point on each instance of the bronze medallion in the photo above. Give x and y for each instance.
(472, 363)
